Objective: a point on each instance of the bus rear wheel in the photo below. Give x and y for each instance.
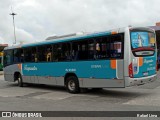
(20, 81)
(72, 84)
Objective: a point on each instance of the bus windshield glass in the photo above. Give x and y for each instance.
(142, 43)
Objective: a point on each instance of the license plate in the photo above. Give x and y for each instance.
(145, 73)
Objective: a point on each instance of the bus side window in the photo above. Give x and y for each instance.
(102, 48)
(28, 55)
(15, 56)
(62, 52)
(56, 52)
(91, 49)
(34, 55)
(66, 52)
(49, 53)
(109, 47)
(75, 52)
(83, 50)
(8, 57)
(116, 46)
(21, 56)
(41, 54)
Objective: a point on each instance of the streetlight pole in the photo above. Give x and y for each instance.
(13, 14)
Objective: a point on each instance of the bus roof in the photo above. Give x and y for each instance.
(67, 38)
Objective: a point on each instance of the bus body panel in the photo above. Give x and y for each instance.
(10, 70)
(146, 72)
(93, 69)
(102, 83)
(95, 73)
(92, 73)
(45, 80)
(126, 54)
(120, 69)
(146, 67)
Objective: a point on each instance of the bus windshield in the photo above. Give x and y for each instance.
(142, 43)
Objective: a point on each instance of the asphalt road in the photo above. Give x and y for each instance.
(51, 98)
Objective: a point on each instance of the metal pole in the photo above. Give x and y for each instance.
(13, 14)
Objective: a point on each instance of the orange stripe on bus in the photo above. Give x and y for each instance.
(20, 66)
(140, 61)
(113, 64)
(113, 32)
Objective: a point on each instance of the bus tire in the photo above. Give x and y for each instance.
(20, 81)
(72, 84)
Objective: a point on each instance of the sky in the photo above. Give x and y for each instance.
(38, 19)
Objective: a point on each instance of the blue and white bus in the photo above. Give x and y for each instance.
(111, 59)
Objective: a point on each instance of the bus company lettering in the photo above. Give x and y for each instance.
(151, 68)
(96, 66)
(70, 70)
(30, 68)
(148, 61)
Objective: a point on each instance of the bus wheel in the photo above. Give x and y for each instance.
(72, 84)
(20, 81)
